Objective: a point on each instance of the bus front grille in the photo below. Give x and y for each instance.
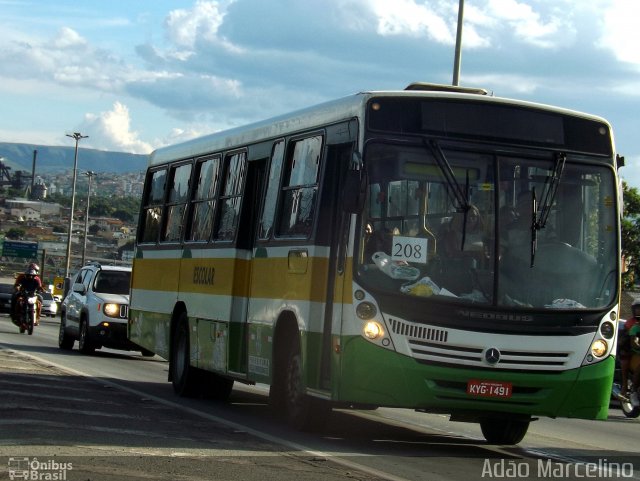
(431, 345)
(417, 331)
(475, 357)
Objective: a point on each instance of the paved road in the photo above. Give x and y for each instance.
(70, 424)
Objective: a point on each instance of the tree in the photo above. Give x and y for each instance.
(631, 234)
(123, 214)
(15, 233)
(94, 229)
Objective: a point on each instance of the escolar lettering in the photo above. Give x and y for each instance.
(203, 275)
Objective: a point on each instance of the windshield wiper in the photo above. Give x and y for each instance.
(460, 197)
(540, 216)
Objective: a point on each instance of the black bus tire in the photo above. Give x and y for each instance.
(504, 431)
(184, 377)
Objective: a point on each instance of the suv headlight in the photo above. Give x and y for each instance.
(112, 310)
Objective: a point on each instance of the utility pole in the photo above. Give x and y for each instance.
(77, 136)
(89, 174)
(33, 175)
(458, 55)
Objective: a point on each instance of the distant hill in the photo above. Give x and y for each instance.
(60, 159)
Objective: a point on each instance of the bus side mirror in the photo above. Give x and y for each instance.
(355, 186)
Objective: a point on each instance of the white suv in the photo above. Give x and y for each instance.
(95, 310)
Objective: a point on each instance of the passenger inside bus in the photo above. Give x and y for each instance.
(464, 236)
(378, 240)
(462, 254)
(556, 266)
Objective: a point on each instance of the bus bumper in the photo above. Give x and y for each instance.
(374, 376)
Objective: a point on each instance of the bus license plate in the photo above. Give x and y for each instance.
(480, 388)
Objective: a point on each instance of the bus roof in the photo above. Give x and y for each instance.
(328, 112)
(323, 114)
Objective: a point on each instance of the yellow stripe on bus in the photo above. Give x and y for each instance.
(262, 277)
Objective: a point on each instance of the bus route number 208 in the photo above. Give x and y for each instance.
(409, 249)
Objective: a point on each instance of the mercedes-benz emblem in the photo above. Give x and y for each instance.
(492, 355)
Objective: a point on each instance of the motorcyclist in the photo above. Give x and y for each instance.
(624, 346)
(28, 281)
(634, 338)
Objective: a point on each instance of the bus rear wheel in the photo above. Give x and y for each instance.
(184, 377)
(504, 430)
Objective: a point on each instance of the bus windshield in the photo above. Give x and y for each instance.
(486, 227)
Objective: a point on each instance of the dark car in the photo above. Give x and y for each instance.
(6, 291)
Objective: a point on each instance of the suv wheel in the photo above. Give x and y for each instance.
(84, 344)
(65, 341)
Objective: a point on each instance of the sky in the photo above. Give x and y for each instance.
(137, 75)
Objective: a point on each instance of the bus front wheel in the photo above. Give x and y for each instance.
(504, 430)
(296, 400)
(184, 377)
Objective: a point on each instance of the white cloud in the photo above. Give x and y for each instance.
(111, 130)
(187, 28)
(65, 59)
(528, 24)
(406, 17)
(67, 39)
(620, 31)
(434, 20)
(184, 27)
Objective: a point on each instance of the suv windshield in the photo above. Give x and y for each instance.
(112, 282)
(490, 228)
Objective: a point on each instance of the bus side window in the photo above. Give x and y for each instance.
(300, 189)
(176, 203)
(204, 203)
(152, 214)
(231, 195)
(270, 201)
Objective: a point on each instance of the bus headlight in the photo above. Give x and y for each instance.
(607, 329)
(373, 330)
(366, 311)
(599, 348)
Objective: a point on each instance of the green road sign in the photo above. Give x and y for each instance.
(27, 250)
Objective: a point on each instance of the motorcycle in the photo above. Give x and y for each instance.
(28, 302)
(623, 398)
(627, 407)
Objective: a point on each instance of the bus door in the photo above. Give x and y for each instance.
(333, 231)
(238, 330)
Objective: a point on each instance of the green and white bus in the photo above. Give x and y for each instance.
(435, 248)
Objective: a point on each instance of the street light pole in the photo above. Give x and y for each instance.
(89, 174)
(77, 136)
(458, 54)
